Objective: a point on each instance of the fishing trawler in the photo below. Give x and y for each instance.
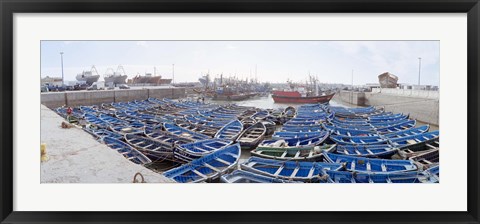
(115, 77)
(88, 76)
(302, 94)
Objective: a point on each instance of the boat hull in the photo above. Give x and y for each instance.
(295, 99)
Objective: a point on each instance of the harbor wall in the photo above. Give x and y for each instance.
(78, 98)
(355, 98)
(422, 105)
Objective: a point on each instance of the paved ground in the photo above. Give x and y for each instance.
(76, 157)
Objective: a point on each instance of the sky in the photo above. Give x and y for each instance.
(276, 61)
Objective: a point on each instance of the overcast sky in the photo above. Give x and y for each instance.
(277, 61)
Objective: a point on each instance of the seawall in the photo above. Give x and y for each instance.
(422, 105)
(85, 98)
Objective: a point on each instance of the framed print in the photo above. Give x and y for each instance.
(210, 111)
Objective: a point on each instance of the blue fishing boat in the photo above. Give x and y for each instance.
(252, 136)
(112, 120)
(383, 124)
(397, 127)
(190, 151)
(126, 151)
(358, 140)
(413, 141)
(288, 134)
(168, 138)
(370, 165)
(309, 128)
(311, 153)
(349, 177)
(289, 170)
(388, 117)
(185, 133)
(381, 150)
(295, 142)
(230, 131)
(92, 119)
(151, 148)
(242, 176)
(133, 127)
(100, 133)
(207, 168)
(408, 132)
(432, 174)
(348, 132)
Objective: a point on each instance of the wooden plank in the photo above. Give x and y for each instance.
(278, 171)
(227, 163)
(211, 167)
(199, 174)
(294, 173)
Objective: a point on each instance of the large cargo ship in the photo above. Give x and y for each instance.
(115, 77)
(88, 76)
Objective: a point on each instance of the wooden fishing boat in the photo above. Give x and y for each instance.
(126, 151)
(358, 140)
(397, 127)
(198, 128)
(242, 176)
(153, 149)
(100, 133)
(370, 165)
(270, 127)
(427, 158)
(383, 124)
(289, 170)
(252, 136)
(165, 137)
(295, 142)
(309, 128)
(185, 133)
(92, 119)
(381, 150)
(414, 141)
(191, 151)
(408, 132)
(433, 174)
(310, 153)
(349, 177)
(288, 134)
(247, 122)
(112, 120)
(134, 127)
(230, 131)
(207, 168)
(348, 132)
(388, 116)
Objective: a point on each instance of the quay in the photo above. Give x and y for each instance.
(422, 105)
(74, 156)
(92, 97)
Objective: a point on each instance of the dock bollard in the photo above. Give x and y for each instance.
(43, 152)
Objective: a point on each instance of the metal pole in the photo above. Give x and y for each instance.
(61, 56)
(351, 91)
(173, 73)
(419, 67)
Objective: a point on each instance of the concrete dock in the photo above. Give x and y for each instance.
(422, 105)
(86, 98)
(76, 157)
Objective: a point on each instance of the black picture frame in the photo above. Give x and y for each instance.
(9, 7)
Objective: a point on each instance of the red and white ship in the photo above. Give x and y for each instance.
(302, 95)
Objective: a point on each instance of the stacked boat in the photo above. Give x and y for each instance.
(311, 143)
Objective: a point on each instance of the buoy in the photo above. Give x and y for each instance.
(43, 152)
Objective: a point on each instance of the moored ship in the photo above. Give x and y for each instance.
(88, 76)
(307, 94)
(148, 78)
(116, 77)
